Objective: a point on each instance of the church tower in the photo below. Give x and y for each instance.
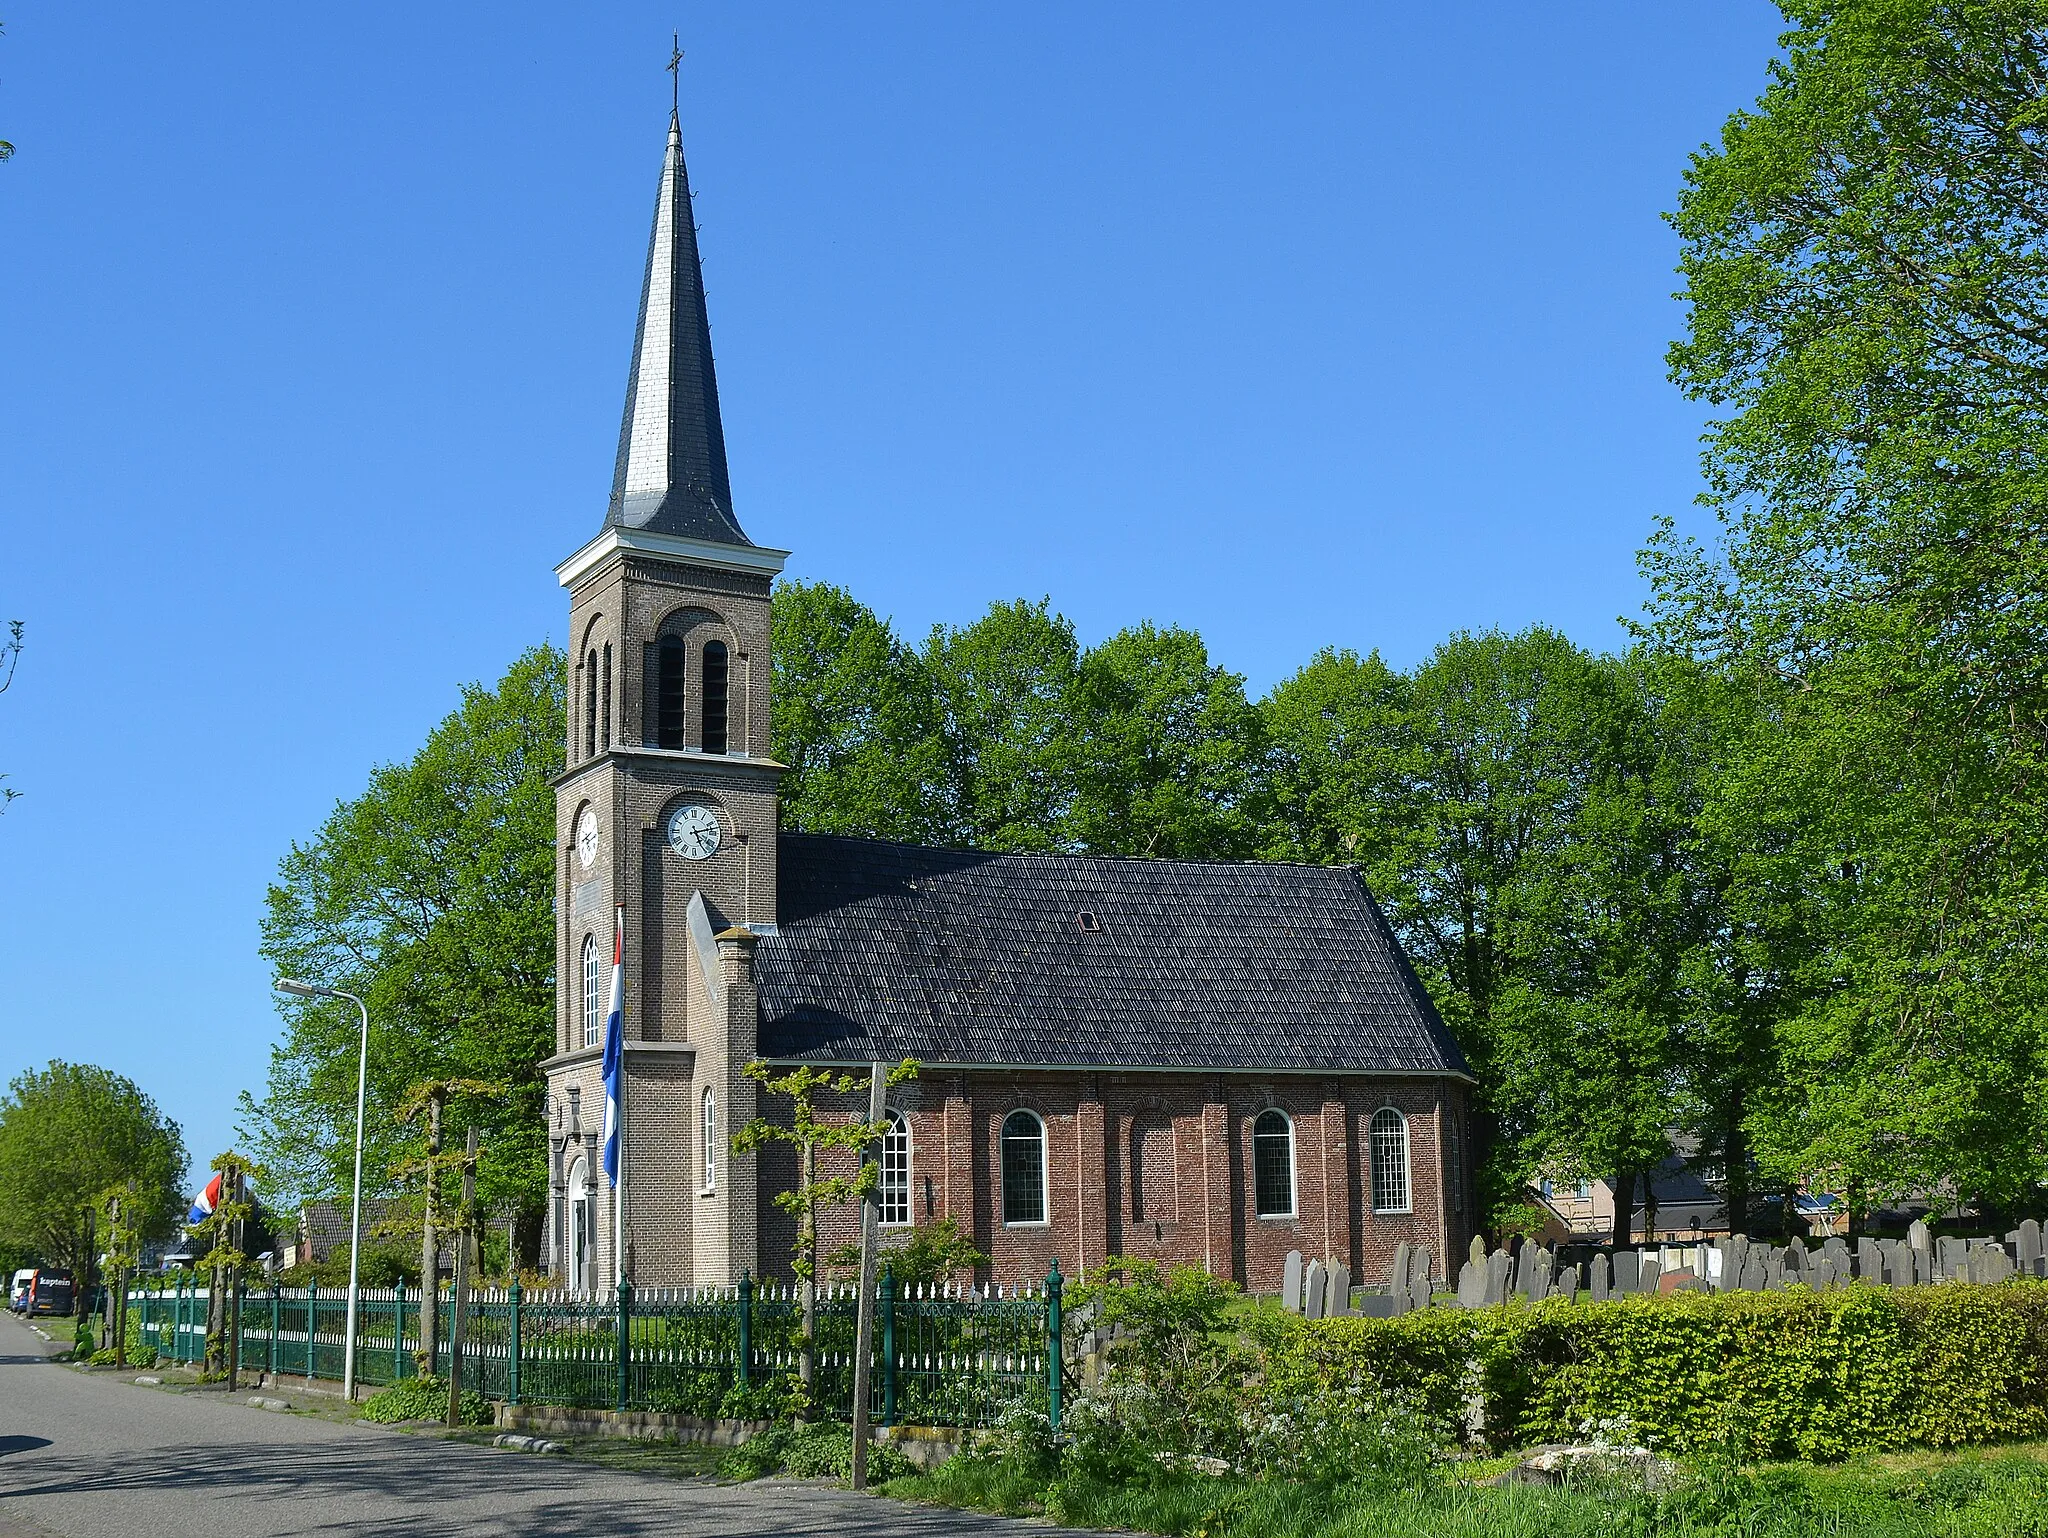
(665, 815)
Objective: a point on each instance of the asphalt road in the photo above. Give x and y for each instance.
(96, 1456)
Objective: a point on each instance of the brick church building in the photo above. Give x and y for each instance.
(1213, 1063)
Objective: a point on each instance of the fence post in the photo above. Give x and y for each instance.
(888, 1346)
(746, 1377)
(312, 1323)
(512, 1349)
(398, 1330)
(276, 1318)
(1053, 1367)
(625, 1338)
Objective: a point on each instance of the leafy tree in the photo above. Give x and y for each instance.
(1866, 263)
(930, 1253)
(1003, 690)
(854, 721)
(1167, 750)
(1343, 771)
(67, 1134)
(429, 895)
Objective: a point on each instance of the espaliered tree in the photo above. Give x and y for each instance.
(813, 1136)
(427, 1103)
(225, 1228)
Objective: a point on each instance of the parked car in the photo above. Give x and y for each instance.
(49, 1293)
(17, 1290)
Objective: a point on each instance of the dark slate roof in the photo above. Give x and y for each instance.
(887, 951)
(671, 475)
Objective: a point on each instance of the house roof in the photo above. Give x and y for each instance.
(885, 951)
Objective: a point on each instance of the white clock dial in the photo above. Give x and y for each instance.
(693, 831)
(587, 838)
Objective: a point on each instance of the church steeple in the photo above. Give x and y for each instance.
(671, 476)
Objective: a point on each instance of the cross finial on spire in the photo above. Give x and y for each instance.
(675, 73)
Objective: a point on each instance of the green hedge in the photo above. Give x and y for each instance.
(1789, 1374)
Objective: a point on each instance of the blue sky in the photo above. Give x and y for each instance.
(1302, 326)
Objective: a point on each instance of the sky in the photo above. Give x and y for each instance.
(1303, 326)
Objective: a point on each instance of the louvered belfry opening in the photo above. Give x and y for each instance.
(715, 696)
(590, 705)
(669, 712)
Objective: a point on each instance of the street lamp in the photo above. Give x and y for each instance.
(355, 1217)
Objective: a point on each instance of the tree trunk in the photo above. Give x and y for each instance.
(458, 1301)
(1624, 1211)
(1735, 1169)
(807, 1246)
(430, 1248)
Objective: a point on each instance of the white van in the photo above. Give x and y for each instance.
(17, 1290)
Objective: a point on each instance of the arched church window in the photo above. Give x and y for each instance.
(1390, 1161)
(895, 1192)
(590, 704)
(604, 704)
(1023, 1168)
(715, 694)
(668, 694)
(1273, 1165)
(593, 996)
(582, 1231)
(710, 1139)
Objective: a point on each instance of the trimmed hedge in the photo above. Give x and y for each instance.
(1787, 1374)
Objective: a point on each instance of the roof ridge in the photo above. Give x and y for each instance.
(1062, 854)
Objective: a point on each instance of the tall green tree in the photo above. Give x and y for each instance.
(854, 721)
(1167, 750)
(70, 1132)
(1867, 275)
(1003, 691)
(429, 895)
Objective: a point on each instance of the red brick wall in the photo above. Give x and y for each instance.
(1200, 1210)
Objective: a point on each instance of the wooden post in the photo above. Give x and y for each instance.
(458, 1316)
(864, 1305)
(430, 1247)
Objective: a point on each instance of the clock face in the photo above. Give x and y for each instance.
(693, 831)
(586, 838)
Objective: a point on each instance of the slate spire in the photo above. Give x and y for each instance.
(671, 476)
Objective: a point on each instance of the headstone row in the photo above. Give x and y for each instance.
(1321, 1289)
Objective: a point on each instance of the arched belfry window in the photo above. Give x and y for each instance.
(710, 1138)
(716, 691)
(1390, 1161)
(895, 1191)
(1273, 1165)
(593, 994)
(604, 700)
(668, 693)
(1023, 1168)
(590, 704)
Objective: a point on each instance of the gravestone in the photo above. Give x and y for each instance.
(1869, 1261)
(1567, 1286)
(1290, 1283)
(2027, 1242)
(1774, 1270)
(1397, 1270)
(1312, 1291)
(1376, 1306)
(1836, 1248)
(1476, 1251)
(1753, 1274)
(1917, 1237)
(1498, 1271)
(1798, 1260)
(1596, 1277)
(1923, 1268)
(1628, 1272)
(1646, 1279)
(1738, 1252)
(1338, 1284)
(1472, 1284)
(1418, 1276)
(1719, 1273)
(1952, 1258)
(1822, 1276)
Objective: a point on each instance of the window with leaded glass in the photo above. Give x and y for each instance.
(1390, 1161)
(1023, 1168)
(1273, 1165)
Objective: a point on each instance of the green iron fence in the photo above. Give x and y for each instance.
(943, 1354)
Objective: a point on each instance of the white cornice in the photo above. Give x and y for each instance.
(676, 547)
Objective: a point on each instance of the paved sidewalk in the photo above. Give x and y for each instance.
(95, 1456)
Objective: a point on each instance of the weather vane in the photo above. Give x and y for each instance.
(675, 74)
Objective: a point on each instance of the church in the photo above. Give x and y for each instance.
(1207, 1063)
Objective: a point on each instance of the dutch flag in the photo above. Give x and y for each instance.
(614, 1048)
(203, 1205)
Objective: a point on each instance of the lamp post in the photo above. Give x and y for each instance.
(355, 1216)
